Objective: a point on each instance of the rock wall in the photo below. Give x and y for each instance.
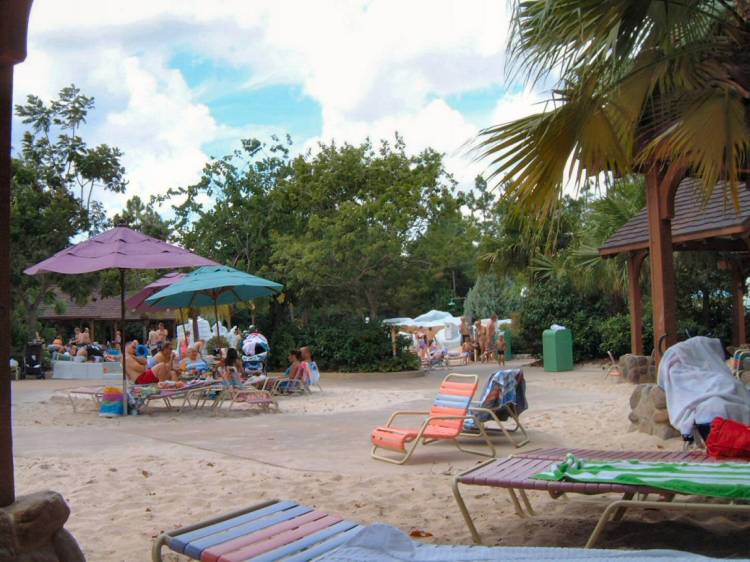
(648, 405)
(637, 369)
(31, 530)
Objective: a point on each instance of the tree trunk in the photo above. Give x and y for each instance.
(706, 312)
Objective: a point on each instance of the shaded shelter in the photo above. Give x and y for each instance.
(696, 224)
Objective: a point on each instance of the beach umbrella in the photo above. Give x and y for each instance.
(212, 286)
(138, 300)
(119, 248)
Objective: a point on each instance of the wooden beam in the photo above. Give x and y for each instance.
(662, 262)
(635, 301)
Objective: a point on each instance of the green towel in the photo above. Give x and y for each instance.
(726, 480)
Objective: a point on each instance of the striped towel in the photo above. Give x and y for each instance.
(726, 480)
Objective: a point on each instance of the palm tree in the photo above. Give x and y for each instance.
(658, 87)
(640, 82)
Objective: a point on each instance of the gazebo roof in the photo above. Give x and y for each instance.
(697, 224)
(97, 308)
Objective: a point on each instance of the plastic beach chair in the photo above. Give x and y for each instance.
(444, 421)
(515, 473)
(503, 399)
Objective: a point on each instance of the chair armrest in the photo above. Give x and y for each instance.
(402, 413)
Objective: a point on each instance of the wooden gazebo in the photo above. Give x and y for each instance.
(697, 224)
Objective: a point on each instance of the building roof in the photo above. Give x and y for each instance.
(97, 308)
(697, 224)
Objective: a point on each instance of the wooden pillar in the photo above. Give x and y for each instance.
(659, 197)
(635, 301)
(739, 330)
(14, 22)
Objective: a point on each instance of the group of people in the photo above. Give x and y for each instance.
(163, 363)
(81, 348)
(483, 343)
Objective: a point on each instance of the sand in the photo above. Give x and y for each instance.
(127, 480)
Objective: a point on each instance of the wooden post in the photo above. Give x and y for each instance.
(659, 195)
(635, 301)
(14, 23)
(739, 331)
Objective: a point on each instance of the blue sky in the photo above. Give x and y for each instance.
(178, 83)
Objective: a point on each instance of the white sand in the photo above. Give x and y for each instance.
(127, 480)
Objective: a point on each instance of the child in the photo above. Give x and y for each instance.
(501, 345)
(230, 369)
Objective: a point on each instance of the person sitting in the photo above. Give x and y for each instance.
(57, 344)
(194, 362)
(77, 336)
(153, 338)
(85, 337)
(135, 366)
(231, 369)
(309, 368)
(292, 373)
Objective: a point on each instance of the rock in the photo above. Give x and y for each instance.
(66, 547)
(635, 397)
(37, 517)
(664, 431)
(659, 397)
(660, 416)
(633, 417)
(31, 530)
(8, 546)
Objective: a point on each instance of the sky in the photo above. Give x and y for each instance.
(179, 82)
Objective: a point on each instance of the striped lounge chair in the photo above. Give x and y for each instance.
(284, 531)
(444, 421)
(516, 475)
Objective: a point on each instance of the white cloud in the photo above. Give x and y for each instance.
(374, 66)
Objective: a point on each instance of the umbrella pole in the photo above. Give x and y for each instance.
(216, 316)
(122, 344)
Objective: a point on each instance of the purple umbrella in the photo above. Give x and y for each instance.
(120, 248)
(137, 301)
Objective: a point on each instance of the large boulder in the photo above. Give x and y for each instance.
(648, 405)
(31, 530)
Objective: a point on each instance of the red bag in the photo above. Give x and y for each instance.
(728, 440)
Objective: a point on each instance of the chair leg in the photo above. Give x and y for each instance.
(465, 512)
(620, 511)
(483, 435)
(407, 454)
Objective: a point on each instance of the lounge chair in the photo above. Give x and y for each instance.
(93, 392)
(284, 530)
(503, 398)
(246, 395)
(444, 421)
(515, 474)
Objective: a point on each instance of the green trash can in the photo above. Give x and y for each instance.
(557, 350)
(508, 344)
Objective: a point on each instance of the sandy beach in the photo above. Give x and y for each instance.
(127, 480)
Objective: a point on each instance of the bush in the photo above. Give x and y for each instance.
(343, 345)
(556, 302)
(615, 334)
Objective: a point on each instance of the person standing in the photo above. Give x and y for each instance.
(465, 330)
(162, 333)
(491, 347)
(501, 348)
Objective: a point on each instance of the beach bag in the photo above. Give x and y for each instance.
(111, 404)
(728, 440)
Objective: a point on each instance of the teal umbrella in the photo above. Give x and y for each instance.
(212, 286)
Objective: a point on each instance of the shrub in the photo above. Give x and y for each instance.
(615, 335)
(343, 345)
(215, 343)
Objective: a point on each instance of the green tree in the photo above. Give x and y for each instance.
(53, 179)
(143, 218)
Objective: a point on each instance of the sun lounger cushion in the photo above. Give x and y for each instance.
(726, 480)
